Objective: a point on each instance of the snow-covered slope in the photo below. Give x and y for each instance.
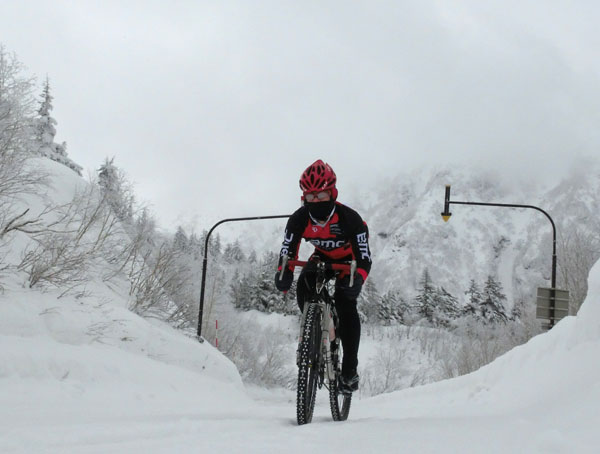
(64, 357)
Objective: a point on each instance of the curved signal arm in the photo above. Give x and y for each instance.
(205, 261)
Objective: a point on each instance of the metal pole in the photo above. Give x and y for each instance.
(205, 261)
(446, 215)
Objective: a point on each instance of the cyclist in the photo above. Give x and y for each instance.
(338, 233)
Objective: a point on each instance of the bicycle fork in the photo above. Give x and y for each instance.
(327, 337)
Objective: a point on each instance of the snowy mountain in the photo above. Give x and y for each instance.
(513, 245)
(409, 235)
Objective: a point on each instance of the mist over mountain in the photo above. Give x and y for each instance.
(514, 245)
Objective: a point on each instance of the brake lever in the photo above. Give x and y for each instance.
(352, 271)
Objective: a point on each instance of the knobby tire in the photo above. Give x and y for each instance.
(308, 365)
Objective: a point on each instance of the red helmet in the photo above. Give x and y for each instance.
(319, 176)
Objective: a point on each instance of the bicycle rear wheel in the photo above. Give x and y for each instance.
(338, 402)
(308, 365)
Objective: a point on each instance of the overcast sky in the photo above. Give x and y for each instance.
(214, 108)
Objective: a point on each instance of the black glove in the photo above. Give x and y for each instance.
(351, 293)
(286, 281)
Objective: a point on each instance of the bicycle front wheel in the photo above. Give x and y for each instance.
(308, 365)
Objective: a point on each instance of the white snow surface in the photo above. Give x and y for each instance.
(86, 375)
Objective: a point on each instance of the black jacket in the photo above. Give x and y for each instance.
(344, 237)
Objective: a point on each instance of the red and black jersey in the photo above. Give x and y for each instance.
(345, 236)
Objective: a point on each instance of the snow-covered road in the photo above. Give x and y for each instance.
(261, 426)
(266, 423)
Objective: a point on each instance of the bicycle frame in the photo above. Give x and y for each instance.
(327, 335)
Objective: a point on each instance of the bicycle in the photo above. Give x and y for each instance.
(319, 350)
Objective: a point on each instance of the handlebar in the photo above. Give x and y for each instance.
(348, 267)
(327, 265)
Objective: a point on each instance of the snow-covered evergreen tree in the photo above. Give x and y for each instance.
(492, 304)
(44, 126)
(435, 304)
(426, 298)
(447, 307)
(370, 302)
(472, 307)
(264, 295)
(393, 309)
(44, 130)
(180, 240)
(194, 247)
(252, 257)
(214, 244)
(233, 253)
(239, 290)
(256, 289)
(517, 311)
(116, 189)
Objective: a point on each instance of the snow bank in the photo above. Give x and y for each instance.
(61, 357)
(66, 361)
(554, 379)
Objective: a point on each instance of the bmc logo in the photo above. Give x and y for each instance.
(327, 244)
(285, 246)
(363, 246)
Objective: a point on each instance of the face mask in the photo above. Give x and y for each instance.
(320, 210)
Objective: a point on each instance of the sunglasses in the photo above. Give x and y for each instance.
(319, 196)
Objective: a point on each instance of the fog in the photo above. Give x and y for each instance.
(213, 109)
